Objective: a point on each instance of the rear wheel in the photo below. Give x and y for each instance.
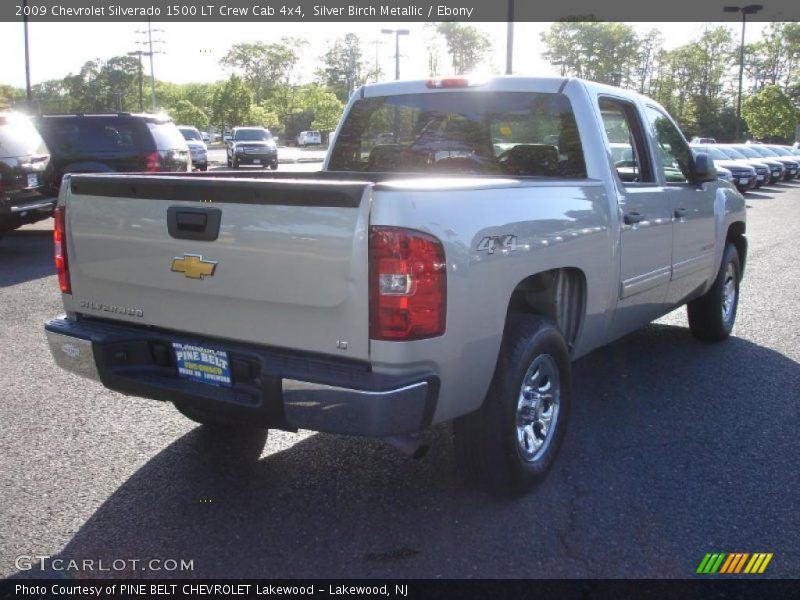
(711, 316)
(235, 164)
(510, 443)
(274, 166)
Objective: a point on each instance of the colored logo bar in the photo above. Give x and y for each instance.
(732, 563)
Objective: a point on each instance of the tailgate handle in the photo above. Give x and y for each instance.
(201, 224)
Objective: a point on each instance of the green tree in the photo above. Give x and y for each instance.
(597, 51)
(310, 106)
(344, 67)
(9, 95)
(466, 45)
(775, 59)
(649, 52)
(770, 114)
(264, 66)
(261, 116)
(232, 103)
(433, 48)
(694, 84)
(110, 85)
(186, 113)
(326, 107)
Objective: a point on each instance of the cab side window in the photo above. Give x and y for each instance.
(626, 141)
(675, 156)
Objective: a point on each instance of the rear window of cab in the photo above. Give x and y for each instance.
(524, 134)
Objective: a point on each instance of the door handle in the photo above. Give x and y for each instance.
(633, 217)
(189, 223)
(680, 213)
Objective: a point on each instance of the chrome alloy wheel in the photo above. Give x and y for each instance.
(537, 408)
(728, 294)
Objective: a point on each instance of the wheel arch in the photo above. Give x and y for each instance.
(736, 236)
(556, 294)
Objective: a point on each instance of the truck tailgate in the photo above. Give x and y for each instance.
(287, 269)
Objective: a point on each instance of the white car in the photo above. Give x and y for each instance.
(197, 146)
(308, 138)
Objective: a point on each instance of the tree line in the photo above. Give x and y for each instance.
(696, 82)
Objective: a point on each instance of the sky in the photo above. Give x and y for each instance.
(193, 50)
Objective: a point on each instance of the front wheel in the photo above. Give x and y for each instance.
(712, 315)
(510, 443)
(274, 166)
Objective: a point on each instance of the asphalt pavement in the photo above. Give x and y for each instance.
(676, 448)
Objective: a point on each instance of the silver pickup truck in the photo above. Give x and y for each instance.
(464, 242)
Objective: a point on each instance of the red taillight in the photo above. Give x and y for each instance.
(60, 242)
(408, 284)
(152, 162)
(450, 82)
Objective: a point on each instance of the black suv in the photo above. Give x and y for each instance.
(252, 145)
(108, 143)
(23, 160)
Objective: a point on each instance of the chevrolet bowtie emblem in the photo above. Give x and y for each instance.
(193, 266)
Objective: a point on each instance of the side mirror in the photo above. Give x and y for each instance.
(704, 168)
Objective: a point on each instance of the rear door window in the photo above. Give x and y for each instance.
(18, 137)
(81, 136)
(166, 136)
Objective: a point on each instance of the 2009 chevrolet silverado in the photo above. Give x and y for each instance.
(464, 243)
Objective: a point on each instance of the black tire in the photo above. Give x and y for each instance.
(235, 164)
(712, 315)
(228, 160)
(486, 441)
(203, 168)
(274, 166)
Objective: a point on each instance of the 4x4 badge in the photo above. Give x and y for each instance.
(193, 266)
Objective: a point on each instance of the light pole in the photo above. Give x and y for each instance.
(397, 33)
(510, 39)
(139, 53)
(27, 57)
(750, 9)
(149, 42)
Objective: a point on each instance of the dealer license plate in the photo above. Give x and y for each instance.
(33, 180)
(203, 364)
(744, 180)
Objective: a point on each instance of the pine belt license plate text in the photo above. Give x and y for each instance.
(203, 364)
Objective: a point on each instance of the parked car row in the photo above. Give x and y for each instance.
(753, 165)
(36, 153)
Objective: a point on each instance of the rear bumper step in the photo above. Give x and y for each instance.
(272, 388)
